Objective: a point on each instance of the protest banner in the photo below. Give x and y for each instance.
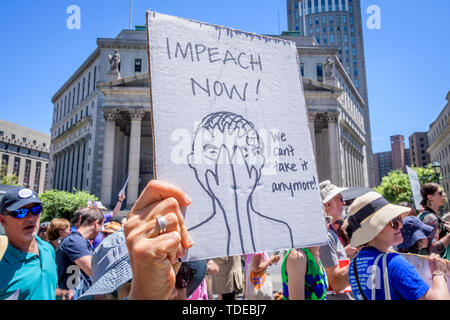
(420, 263)
(415, 186)
(230, 128)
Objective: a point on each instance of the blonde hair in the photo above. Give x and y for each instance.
(55, 226)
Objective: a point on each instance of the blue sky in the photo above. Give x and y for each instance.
(407, 60)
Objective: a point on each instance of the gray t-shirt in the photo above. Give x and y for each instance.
(330, 255)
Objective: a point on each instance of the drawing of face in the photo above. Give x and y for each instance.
(225, 139)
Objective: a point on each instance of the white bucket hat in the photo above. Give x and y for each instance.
(368, 216)
(328, 190)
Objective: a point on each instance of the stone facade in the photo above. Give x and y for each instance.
(100, 148)
(25, 153)
(439, 150)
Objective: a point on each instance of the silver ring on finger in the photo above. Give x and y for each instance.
(162, 224)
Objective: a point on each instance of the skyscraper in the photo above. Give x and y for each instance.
(337, 24)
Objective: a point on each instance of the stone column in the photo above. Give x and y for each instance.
(74, 172)
(333, 142)
(21, 170)
(42, 178)
(136, 116)
(32, 174)
(10, 169)
(108, 155)
(311, 118)
(70, 170)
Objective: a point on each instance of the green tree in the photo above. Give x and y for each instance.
(395, 187)
(63, 204)
(8, 179)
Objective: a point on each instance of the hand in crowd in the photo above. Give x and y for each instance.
(437, 264)
(275, 258)
(152, 253)
(213, 268)
(351, 251)
(122, 196)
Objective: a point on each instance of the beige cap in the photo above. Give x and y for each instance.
(328, 190)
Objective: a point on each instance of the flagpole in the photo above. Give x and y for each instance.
(131, 14)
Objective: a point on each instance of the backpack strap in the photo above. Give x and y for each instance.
(355, 271)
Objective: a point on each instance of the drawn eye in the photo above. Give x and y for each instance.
(211, 152)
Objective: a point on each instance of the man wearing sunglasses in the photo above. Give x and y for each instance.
(28, 266)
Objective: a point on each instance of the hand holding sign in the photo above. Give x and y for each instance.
(152, 252)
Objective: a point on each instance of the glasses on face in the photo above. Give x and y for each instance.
(441, 193)
(23, 212)
(328, 219)
(184, 277)
(395, 223)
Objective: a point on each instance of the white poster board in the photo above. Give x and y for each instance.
(420, 263)
(230, 128)
(415, 186)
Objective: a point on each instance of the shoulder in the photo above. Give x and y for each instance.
(296, 256)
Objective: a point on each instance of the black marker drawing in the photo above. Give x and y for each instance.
(227, 158)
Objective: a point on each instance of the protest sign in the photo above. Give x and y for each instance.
(415, 186)
(230, 128)
(420, 263)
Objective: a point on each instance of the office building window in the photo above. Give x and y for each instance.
(16, 166)
(24, 139)
(323, 5)
(318, 40)
(138, 62)
(331, 18)
(310, 21)
(309, 7)
(13, 136)
(324, 38)
(316, 5)
(351, 20)
(354, 51)
(319, 69)
(37, 177)
(82, 95)
(330, 6)
(317, 20)
(324, 19)
(343, 5)
(310, 31)
(26, 177)
(345, 38)
(332, 38)
(302, 69)
(355, 72)
(336, 4)
(95, 78)
(4, 166)
(89, 84)
(353, 40)
(356, 83)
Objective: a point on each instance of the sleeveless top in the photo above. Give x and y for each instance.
(316, 282)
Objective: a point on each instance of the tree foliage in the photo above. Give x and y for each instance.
(395, 187)
(63, 204)
(11, 179)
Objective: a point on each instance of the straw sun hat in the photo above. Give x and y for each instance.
(369, 215)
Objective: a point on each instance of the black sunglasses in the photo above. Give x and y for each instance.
(184, 277)
(23, 212)
(395, 223)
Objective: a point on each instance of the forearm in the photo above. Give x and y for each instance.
(117, 208)
(439, 288)
(338, 278)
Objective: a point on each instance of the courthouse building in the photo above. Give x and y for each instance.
(24, 152)
(102, 135)
(439, 150)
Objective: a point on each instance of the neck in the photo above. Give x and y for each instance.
(26, 245)
(85, 231)
(433, 206)
(54, 243)
(380, 245)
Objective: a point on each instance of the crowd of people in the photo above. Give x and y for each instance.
(101, 255)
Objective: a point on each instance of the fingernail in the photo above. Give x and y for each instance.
(187, 198)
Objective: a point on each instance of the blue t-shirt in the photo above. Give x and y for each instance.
(404, 281)
(70, 276)
(34, 276)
